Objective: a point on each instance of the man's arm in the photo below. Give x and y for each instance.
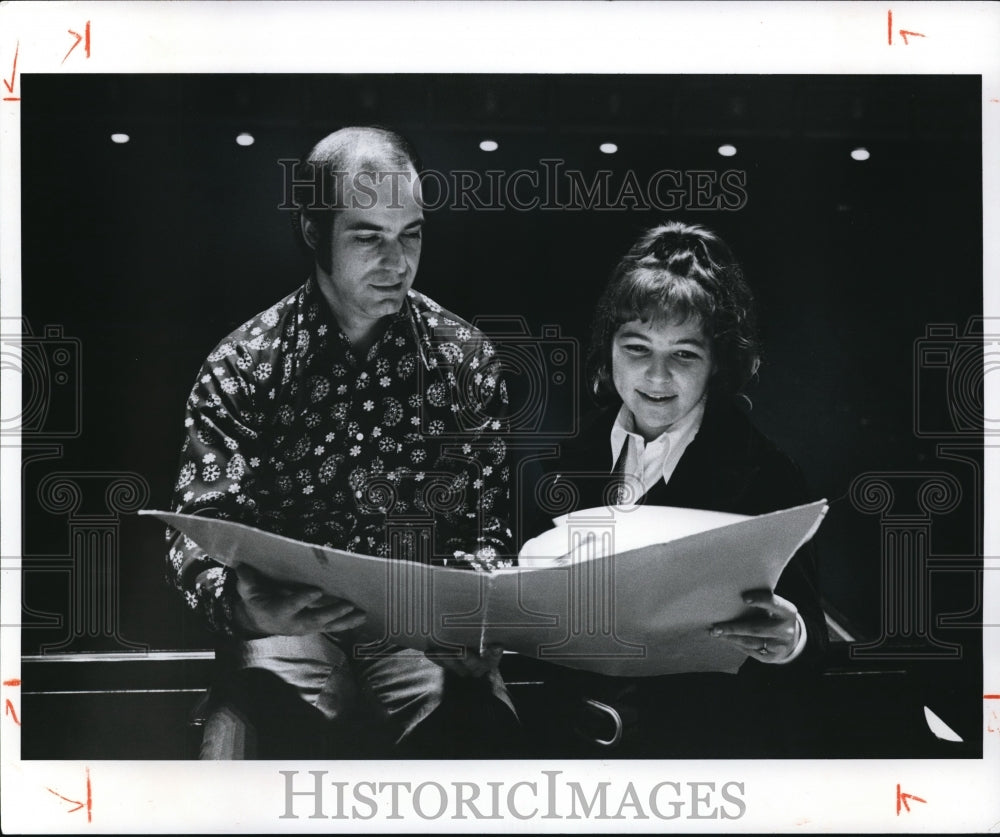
(220, 461)
(480, 529)
(478, 533)
(216, 478)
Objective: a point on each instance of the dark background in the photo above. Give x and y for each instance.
(150, 252)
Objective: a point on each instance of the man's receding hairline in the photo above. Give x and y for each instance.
(360, 149)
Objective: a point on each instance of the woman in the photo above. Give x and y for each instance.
(673, 344)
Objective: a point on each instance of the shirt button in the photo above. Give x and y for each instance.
(357, 494)
(360, 436)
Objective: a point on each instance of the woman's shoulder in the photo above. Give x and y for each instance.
(730, 443)
(731, 430)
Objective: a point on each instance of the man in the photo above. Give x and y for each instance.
(353, 409)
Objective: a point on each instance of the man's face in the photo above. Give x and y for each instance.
(374, 250)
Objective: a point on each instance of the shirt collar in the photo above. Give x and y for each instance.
(406, 314)
(685, 428)
(419, 330)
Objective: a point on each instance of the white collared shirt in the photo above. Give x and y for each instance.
(647, 463)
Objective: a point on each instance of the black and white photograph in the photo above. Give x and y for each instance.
(623, 433)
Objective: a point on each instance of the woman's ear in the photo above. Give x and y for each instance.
(603, 386)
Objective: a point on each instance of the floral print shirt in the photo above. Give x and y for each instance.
(289, 430)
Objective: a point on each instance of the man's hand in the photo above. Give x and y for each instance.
(265, 607)
(769, 633)
(471, 664)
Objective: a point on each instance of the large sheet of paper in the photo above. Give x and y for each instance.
(612, 590)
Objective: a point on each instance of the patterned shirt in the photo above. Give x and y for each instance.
(289, 430)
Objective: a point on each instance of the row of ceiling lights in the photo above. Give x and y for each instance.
(726, 150)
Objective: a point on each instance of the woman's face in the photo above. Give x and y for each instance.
(661, 371)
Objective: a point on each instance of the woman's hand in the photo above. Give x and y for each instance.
(769, 632)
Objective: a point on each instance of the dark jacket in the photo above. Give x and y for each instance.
(731, 467)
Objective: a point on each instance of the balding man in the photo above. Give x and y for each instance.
(325, 418)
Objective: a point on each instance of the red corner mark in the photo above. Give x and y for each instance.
(13, 682)
(901, 800)
(89, 801)
(13, 78)
(9, 710)
(79, 37)
(991, 697)
(903, 32)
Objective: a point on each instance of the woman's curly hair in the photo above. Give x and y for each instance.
(674, 272)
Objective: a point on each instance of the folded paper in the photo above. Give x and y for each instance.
(617, 590)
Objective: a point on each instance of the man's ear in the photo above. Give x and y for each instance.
(310, 234)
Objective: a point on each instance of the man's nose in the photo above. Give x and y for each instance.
(393, 255)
